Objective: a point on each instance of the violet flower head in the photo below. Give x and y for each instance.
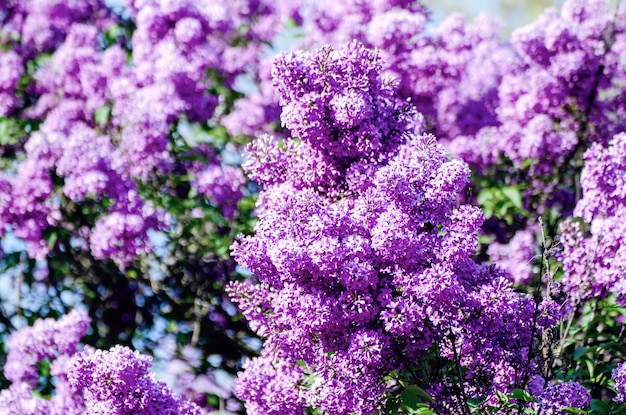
(18, 399)
(594, 257)
(619, 376)
(518, 256)
(46, 339)
(338, 103)
(122, 235)
(11, 70)
(222, 185)
(341, 108)
(45, 24)
(118, 382)
(553, 398)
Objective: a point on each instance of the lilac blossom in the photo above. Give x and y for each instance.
(517, 256)
(46, 339)
(41, 26)
(364, 268)
(553, 398)
(11, 70)
(619, 376)
(223, 186)
(122, 235)
(86, 382)
(118, 381)
(594, 255)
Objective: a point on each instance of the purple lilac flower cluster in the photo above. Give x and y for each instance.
(619, 376)
(520, 107)
(554, 398)
(522, 100)
(594, 257)
(366, 266)
(115, 382)
(70, 145)
(51, 341)
(41, 26)
(118, 382)
(518, 256)
(11, 70)
(32, 27)
(342, 116)
(222, 185)
(46, 339)
(107, 123)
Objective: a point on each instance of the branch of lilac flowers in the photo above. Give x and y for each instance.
(576, 302)
(609, 40)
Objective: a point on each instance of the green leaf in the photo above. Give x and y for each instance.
(590, 367)
(599, 406)
(522, 395)
(514, 195)
(409, 398)
(579, 352)
(419, 392)
(308, 379)
(102, 115)
(476, 402)
(9, 131)
(213, 400)
(485, 196)
(574, 410)
(393, 406)
(52, 240)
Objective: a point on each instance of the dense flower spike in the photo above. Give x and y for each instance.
(595, 261)
(118, 382)
(518, 256)
(342, 110)
(89, 382)
(363, 273)
(619, 376)
(553, 399)
(11, 69)
(46, 339)
(222, 185)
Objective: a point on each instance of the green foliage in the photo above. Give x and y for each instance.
(504, 202)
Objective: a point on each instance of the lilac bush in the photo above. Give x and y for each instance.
(522, 110)
(339, 303)
(116, 185)
(439, 208)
